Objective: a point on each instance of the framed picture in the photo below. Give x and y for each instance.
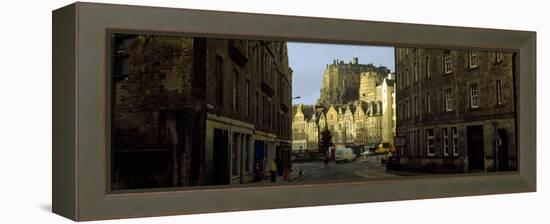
(202, 111)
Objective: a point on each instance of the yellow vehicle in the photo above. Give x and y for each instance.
(384, 148)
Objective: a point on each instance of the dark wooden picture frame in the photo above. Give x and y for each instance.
(81, 111)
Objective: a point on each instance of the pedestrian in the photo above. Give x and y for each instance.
(286, 172)
(326, 162)
(273, 171)
(257, 171)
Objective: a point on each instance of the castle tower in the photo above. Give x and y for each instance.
(367, 86)
(341, 81)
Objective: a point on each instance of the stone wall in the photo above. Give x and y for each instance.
(159, 113)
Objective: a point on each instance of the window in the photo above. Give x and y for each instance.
(415, 72)
(448, 100)
(401, 81)
(427, 67)
(407, 77)
(474, 96)
(416, 106)
(428, 104)
(257, 53)
(447, 62)
(499, 92)
(235, 89)
(408, 109)
(272, 113)
(430, 142)
(472, 59)
(265, 111)
(454, 133)
(445, 135)
(399, 111)
(413, 101)
(234, 162)
(218, 71)
(257, 108)
(247, 98)
(498, 57)
(418, 142)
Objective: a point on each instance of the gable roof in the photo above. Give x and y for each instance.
(307, 110)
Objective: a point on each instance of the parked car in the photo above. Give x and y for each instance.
(384, 148)
(367, 153)
(345, 155)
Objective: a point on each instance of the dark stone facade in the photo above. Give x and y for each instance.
(158, 86)
(456, 117)
(248, 105)
(166, 89)
(263, 66)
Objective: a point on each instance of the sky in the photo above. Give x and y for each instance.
(308, 61)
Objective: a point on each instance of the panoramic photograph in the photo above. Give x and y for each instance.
(193, 111)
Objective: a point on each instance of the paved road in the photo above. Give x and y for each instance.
(360, 169)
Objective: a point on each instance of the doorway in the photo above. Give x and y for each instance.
(476, 155)
(221, 157)
(502, 150)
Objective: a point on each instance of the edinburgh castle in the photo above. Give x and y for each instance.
(356, 104)
(341, 81)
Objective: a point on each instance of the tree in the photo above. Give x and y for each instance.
(325, 141)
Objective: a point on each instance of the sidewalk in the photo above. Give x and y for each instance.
(371, 173)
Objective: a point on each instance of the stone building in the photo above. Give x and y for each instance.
(366, 119)
(307, 124)
(341, 81)
(197, 111)
(249, 110)
(157, 88)
(455, 110)
(386, 96)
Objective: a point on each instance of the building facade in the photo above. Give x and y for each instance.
(249, 110)
(197, 111)
(307, 124)
(455, 110)
(157, 88)
(364, 118)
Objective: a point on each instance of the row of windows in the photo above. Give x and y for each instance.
(405, 79)
(265, 108)
(406, 110)
(448, 143)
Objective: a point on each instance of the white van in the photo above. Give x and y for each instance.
(344, 155)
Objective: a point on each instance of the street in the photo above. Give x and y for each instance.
(360, 169)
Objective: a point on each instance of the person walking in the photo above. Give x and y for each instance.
(273, 171)
(258, 171)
